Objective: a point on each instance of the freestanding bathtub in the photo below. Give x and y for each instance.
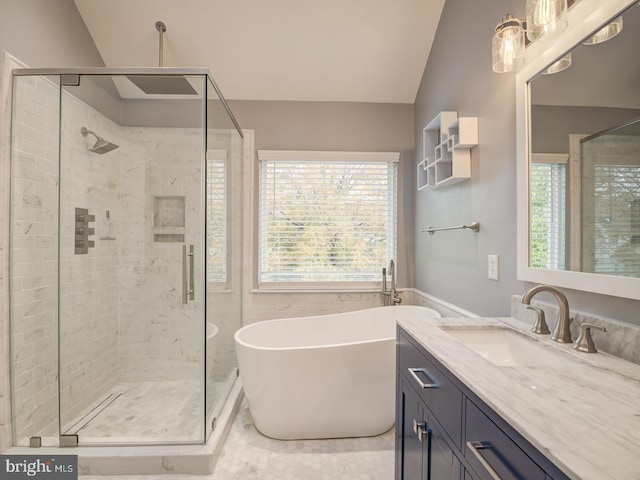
(327, 376)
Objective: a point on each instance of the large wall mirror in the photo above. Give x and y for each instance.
(578, 101)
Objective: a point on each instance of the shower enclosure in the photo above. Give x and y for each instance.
(124, 283)
(609, 230)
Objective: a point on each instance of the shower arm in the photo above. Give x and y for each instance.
(161, 27)
(84, 131)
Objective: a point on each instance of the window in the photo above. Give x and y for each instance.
(548, 211)
(615, 203)
(217, 217)
(326, 217)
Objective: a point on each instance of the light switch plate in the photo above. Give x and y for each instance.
(493, 267)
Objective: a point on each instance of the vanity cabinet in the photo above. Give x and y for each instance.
(445, 432)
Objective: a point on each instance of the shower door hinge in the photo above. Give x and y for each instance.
(35, 442)
(70, 80)
(68, 440)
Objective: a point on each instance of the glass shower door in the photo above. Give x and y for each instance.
(33, 280)
(131, 269)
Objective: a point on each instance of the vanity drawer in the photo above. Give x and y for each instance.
(489, 448)
(439, 394)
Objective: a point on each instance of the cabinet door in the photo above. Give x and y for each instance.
(443, 464)
(409, 448)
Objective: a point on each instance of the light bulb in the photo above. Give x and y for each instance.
(508, 45)
(545, 18)
(606, 33)
(559, 65)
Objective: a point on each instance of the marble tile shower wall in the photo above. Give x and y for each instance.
(161, 339)
(7, 63)
(88, 327)
(33, 250)
(88, 282)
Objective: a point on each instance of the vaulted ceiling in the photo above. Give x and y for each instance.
(306, 50)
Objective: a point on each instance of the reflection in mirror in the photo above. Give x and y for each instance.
(584, 173)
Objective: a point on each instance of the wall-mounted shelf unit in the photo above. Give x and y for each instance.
(447, 141)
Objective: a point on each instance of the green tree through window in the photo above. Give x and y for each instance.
(326, 221)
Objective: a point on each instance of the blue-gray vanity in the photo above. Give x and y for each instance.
(460, 416)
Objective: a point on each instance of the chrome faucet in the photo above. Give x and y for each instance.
(391, 296)
(561, 332)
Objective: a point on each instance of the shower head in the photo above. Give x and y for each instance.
(162, 84)
(101, 146)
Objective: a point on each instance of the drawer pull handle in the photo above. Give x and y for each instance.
(475, 448)
(414, 374)
(420, 429)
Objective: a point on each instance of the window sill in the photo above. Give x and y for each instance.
(289, 290)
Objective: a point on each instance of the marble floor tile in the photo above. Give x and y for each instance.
(248, 455)
(146, 412)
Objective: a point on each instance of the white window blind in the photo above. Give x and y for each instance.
(217, 207)
(326, 216)
(548, 213)
(616, 198)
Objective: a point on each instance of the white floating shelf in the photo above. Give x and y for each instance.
(447, 143)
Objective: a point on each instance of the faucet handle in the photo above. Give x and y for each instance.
(584, 343)
(540, 327)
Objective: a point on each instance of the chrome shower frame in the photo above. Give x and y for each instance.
(71, 77)
(125, 72)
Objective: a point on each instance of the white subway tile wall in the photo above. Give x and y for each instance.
(89, 282)
(33, 252)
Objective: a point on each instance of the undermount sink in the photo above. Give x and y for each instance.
(507, 348)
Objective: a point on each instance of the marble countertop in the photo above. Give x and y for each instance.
(583, 416)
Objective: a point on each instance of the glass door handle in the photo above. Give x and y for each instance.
(188, 287)
(185, 297)
(192, 290)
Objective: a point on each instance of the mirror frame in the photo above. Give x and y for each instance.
(585, 17)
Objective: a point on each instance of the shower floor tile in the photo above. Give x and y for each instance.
(147, 411)
(248, 455)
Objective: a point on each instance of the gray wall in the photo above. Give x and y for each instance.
(551, 125)
(453, 265)
(343, 126)
(46, 33)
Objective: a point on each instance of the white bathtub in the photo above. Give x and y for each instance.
(327, 376)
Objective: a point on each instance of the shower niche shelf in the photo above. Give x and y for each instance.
(168, 219)
(447, 141)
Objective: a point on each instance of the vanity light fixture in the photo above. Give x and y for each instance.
(545, 19)
(507, 46)
(561, 64)
(606, 33)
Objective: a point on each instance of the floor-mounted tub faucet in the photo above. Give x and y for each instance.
(390, 297)
(561, 332)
